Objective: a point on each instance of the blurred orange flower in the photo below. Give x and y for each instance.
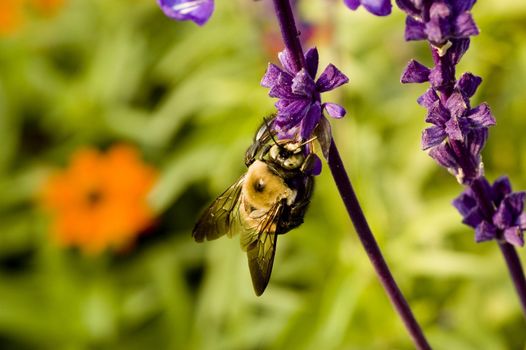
(99, 201)
(11, 16)
(13, 13)
(47, 7)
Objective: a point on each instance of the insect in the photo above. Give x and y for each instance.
(270, 199)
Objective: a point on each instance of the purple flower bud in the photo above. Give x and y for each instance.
(198, 11)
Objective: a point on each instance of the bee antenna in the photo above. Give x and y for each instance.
(270, 131)
(308, 141)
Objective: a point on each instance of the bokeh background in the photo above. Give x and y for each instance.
(84, 79)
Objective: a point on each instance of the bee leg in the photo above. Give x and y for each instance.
(293, 217)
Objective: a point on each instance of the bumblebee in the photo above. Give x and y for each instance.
(270, 199)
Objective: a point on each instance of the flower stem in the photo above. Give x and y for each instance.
(516, 272)
(371, 248)
(293, 45)
(289, 32)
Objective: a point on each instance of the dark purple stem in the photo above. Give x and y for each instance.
(516, 272)
(371, 247)
(289, 32)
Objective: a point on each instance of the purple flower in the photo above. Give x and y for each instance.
(299, 105)
(506, 223)
(458, 132)
(376, 7)
(438, 21)
(454, 119)
(198, 11)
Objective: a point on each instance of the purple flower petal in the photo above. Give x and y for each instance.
(439, 10)
(515, 203)
(514, 236)
(293, 111)
(432, 136)
(444, 156)
(282, 87)
(456, 104)
(437, 31)
(481, 116)
(311, 62)
(330, 79)
(415, 72)
(352, 4)
(198, 11)
(428, 99)
(414, 29)
(334, 110)
(465, 26)
(483, 183)
(453, 130)
(501, 187)
(476, 139)
(437, 114)
(468, 84)
(442, 75)
(315, 168)
(310, 121)
(485, 232)
(457, 50)
(377, 7)
(303, 84)
(271, 76)
(464, 204)
(503, 217)
(408, 7)
(287, 62)
(460, 6)
(473, 218)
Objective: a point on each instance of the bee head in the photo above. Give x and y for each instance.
(289, 155)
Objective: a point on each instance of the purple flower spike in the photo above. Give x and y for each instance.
(198, 11)
(299, 105)
(376, 7)
(507, 224)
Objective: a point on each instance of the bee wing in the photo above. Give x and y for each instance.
(260, 244)
(221, 216)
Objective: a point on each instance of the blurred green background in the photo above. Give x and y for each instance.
(94, 73)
